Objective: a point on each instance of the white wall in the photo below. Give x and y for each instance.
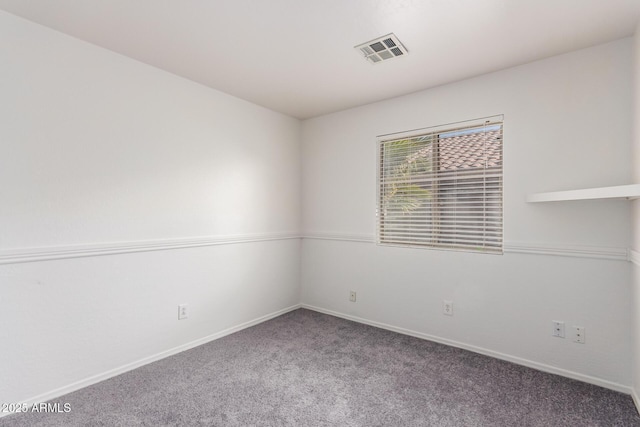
(635, 248)
(567, 125)
(100, 151)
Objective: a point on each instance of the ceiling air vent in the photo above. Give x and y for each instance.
(382, 48)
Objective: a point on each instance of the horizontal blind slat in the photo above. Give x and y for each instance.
(442, 189)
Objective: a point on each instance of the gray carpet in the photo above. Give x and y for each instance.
(309, 369)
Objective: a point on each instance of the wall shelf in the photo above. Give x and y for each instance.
(626, 192)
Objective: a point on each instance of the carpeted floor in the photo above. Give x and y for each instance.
(309, 369)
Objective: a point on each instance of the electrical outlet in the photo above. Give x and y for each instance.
(352, 296)
(558, 329)
(579, 334)
(447, 307)
(183, 312)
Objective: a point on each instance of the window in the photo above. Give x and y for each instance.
(442, 188)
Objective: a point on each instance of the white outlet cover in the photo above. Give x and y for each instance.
(558, 329)
(183, 311)
(447, 307)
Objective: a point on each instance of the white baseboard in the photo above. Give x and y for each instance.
(636, 399)
(509, 358)
(145, 361)
(131, 366)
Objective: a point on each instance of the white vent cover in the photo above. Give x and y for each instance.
(382, 48)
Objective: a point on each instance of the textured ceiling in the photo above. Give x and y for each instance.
(298, 56)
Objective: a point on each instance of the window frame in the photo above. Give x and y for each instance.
(437, 213)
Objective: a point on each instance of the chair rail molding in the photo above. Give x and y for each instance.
(15, 256)
(47, 253)
(599, 252)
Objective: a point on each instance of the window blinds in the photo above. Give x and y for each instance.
(443, 188)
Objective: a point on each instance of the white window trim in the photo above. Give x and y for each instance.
(415, 133)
